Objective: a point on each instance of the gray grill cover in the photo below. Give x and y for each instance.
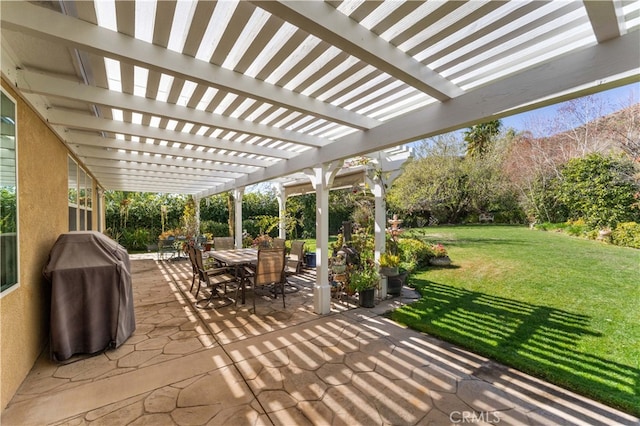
(91, 294)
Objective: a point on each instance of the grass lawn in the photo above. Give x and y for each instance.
(560, 308)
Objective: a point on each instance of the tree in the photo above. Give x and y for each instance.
(601, 190)
(436, 183)
(480, 136)
(444, 183)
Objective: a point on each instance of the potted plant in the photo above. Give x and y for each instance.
(364, 281)
(440, 255)
(389, 264)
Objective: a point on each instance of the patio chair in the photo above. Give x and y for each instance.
(269, 271)
(166, 247)
(191, 251)
(223, 243)
(295, 258)
(212, 278)
(278, 243)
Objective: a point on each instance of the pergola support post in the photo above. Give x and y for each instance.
(322, 179)
(237, 198)
(196, 204)
(282, 212)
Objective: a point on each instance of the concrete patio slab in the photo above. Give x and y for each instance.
(190, 366)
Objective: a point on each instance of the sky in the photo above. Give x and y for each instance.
(614, 100)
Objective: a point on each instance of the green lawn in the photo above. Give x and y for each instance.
(558, 307)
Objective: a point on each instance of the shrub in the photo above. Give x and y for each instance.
(627, 234)
(599, 189)
(136, 239)
(413, 253)
(217, 229)
(576, 227)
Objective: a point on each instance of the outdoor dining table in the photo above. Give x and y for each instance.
(237, 258)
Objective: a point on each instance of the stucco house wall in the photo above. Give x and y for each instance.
(42, 217)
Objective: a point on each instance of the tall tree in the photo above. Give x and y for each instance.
(480, 136)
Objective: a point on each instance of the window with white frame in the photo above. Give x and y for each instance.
(80, 198)
(9, 241)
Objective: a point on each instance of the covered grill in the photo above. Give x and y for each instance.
(91, 294)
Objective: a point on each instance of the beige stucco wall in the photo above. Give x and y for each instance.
(42, 217)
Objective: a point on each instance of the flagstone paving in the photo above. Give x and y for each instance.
(229, 365)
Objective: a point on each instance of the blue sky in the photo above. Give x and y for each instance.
(614, 99)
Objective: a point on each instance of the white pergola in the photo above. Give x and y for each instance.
(206, 97)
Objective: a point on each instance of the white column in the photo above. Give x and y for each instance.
(380, 219)
(322, 178)
(237, 198)
(196, 203)
(282, 212)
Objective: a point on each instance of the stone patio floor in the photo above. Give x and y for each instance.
(228, 366)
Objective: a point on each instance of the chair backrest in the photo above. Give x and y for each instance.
(270, 266)
(200, 265)
(200, 241)
(297, 251)
(223, 243)
(191, 251)
(278, 243)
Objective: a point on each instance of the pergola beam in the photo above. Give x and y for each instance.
(81, 140)
(58, 28)
(33, 82)
(326, 23)
(605, 19)
(86, 122)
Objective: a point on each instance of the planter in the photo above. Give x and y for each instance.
(310, 259)
(366, 298)
(440, 261)
(389, 271)
(394, 284)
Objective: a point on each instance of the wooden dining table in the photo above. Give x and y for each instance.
(238, 258)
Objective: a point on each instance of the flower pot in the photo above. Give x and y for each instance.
(389, 271)
(440, 261)
(394, 284)
(367, 297)
(310, 259)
